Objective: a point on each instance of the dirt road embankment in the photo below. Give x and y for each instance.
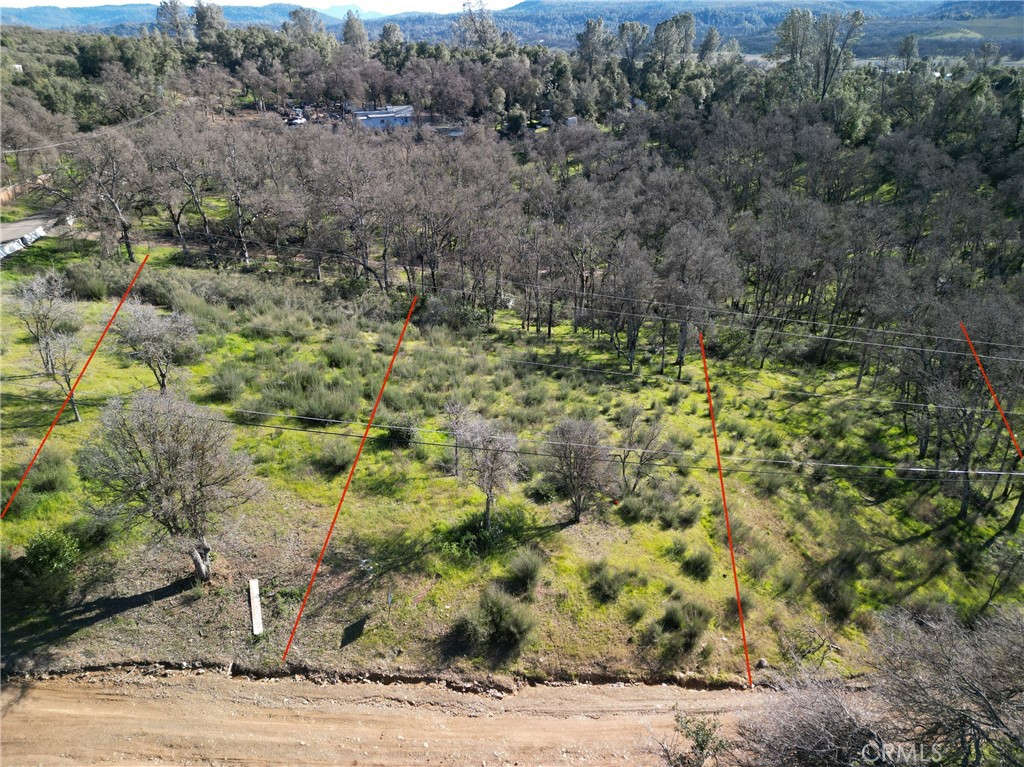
(140, 716)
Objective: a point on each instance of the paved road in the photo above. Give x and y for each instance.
(18, 229)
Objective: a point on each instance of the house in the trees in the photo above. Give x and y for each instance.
(383, 119)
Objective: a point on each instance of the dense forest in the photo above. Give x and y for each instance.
(829, 221)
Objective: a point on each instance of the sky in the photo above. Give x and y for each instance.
(381, 6)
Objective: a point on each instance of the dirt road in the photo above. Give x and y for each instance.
(191, 718)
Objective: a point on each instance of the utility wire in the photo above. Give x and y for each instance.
(929, 475)
(86, 136)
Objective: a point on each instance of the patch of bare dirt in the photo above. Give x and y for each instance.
(155, 716)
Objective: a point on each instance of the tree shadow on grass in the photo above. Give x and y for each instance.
(31, 633)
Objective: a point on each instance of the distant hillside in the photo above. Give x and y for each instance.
(113, 18)
(556, 22)
(978, 9)
(944, 28)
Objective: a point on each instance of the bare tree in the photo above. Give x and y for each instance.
(159, 341)
(64, 355)
(640, 447)
(821, 724)
(44, 306)
(106, 183)
(959, 688)
(456, 414)
(164, 461)
(492, 462)
(579, 463)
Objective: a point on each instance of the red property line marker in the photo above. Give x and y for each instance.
(348, 482)
(74, 386)
(725, 507)
(991, 390)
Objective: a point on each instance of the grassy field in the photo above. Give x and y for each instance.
(642, 587)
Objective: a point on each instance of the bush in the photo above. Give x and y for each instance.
(228, 381)
(631, 509)
(51, 474)
(401, 430)
(605, 583)
(341, 354)
(760, 561)
(680, 517)
(469, 539)
(50, 556)
(731, 612)
(768, 438)
(91, 532)
(635, 612)
(535, 395)
(698, 565)
(498, 625)
(328, 405)
(97, 279)
(837, 597)
(335, 456)
(686, 622)
(51, 552)
(524, 571)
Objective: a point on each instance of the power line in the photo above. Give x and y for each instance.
(86, 136)
(929, 475)
(698, 467)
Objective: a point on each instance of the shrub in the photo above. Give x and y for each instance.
(95, 280)
(468, 539)
(341, 354)
(677, 549)
(49, 559)
(535, 395)
(730, 610)
(51, 552)
(498, 625)
(675, 396)
(686, 623)
(335, 456)
(631, 509)
(228, 383)
(771, 482)
(760, 561)
(91, 532)
(838, 597)
(328, 405)
(680, 517)
(524, 571)
(51, 474)
(605, 583)
(635, 612)
(769, 438)
(401, 430)
(735, 426)
(698, 565)
(790, 580)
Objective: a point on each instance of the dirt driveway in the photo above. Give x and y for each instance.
(193, 718)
